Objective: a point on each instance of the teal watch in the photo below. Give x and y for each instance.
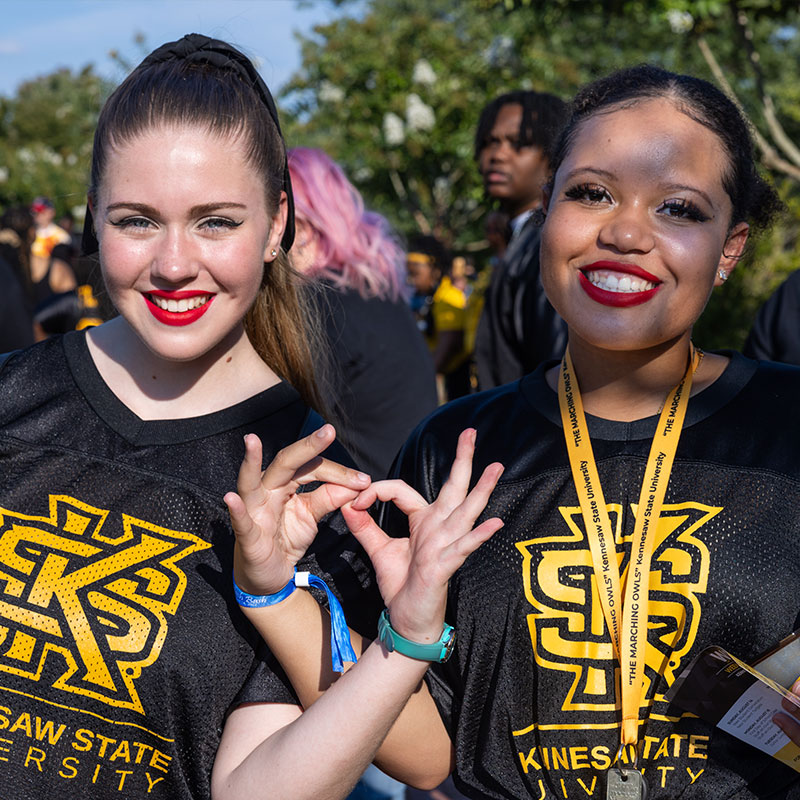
(437, 651)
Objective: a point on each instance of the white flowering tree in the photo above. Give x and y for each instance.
(46, 132)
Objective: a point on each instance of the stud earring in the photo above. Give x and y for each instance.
(723, 276)
(274, 253)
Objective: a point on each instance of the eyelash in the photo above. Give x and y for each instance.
(687, 209)
(585, 191)
(135, 222)
(593, 193)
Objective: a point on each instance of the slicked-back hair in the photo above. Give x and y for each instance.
(180, 93)
(753, 199)
(543, 116)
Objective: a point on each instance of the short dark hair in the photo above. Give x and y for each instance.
(753, 199)
(543, 116)
(431, 246)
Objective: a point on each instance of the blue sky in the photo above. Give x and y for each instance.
(38, 36)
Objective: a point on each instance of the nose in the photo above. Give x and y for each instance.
(627, 229)
(175, 259)
(499, 151)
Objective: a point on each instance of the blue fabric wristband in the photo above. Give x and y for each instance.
(341, 647)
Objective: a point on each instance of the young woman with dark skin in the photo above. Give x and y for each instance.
(551, 692)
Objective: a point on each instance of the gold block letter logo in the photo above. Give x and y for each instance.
(84, 603)
(567, 627)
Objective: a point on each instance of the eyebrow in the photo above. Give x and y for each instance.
(194, 211)
(602, 173)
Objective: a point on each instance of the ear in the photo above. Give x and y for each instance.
(276, 229)
(732, 251)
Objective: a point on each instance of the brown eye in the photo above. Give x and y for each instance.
(681, 208)
(588, 192)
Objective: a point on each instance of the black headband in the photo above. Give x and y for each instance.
(194, 47)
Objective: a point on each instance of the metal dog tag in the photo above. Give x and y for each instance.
(625, 784)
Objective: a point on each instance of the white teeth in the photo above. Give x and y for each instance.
(179, 306)
(625, 284)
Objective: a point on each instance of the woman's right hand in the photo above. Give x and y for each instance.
(273, 521)
(413, 572)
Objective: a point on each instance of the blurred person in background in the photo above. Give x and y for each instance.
(775, 335)
(59, 301)
(519, 328)
(440, 307)
(16, 320)
(381, 379)
(51, 271)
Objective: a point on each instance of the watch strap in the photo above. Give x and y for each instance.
(435, 651)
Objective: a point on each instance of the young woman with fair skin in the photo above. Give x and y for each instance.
(650, 207)
(124, 649)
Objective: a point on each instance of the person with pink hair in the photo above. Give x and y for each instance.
(381, 381)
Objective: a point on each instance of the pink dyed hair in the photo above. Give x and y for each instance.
(357, 249)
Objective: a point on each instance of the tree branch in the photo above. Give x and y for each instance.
(771, 156)
(402, 194)
(779, 135)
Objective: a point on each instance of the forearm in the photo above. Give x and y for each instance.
(297, 631)
(339, 733)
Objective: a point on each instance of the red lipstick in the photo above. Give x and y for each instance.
(619, 266)
(617, 299)
(177, 318)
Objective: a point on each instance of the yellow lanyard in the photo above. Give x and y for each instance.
(627, 623)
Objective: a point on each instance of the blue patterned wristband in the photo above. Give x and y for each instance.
(341, 647)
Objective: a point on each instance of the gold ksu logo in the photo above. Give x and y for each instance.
(86, 604)
(567, 627)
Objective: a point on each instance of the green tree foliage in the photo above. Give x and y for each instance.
(46, 134)
(395, 96)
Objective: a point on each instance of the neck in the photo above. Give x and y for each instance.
(516, 207)
(629, 385)
(156, 388)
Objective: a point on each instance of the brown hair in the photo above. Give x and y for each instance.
(217, 98)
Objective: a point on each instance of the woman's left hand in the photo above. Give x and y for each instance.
(274, 524)
(413, 572)
(789, 722)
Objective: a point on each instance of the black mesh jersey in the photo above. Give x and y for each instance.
(121, 645)
(528, 695)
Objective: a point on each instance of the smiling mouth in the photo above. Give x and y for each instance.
(179, 306)
(625, 284)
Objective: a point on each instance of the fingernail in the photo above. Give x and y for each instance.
(322, 432)
(779, 722)
(362, 477)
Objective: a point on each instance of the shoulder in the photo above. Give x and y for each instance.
(449, 294)
(772, 379)
(42, 361)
